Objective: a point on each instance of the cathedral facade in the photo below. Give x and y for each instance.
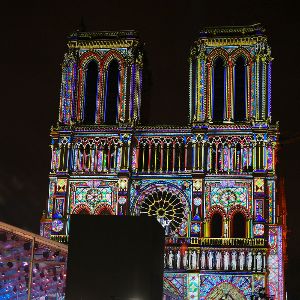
(211, 184)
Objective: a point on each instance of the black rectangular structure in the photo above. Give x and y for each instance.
(115, 258)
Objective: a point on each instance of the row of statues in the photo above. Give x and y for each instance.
(215, 260)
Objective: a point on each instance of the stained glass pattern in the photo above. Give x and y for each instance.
(271, 201)
(270, 157)
(94, 194)
(67, 88)
(61, 185)
(57, 225)
(228, 193)
(258, 281)
(275, 263)
(179, 283)
(258, 229)
(193, 286)
(229, 197)
(210, 281)
(259, 185)
(52, 187)
(259, 211)
(59, 206)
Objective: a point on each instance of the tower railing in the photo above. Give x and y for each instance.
(218, 242)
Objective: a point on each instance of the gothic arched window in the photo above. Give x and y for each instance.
(216, 225)
(238, 225)
(240, 89)
(112, 93)
(90, 92)
(218, 90)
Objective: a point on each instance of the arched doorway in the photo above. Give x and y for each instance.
(238, 227)
(216, 225)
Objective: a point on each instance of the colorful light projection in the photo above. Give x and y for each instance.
(197, 179)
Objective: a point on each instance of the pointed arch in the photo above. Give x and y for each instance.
(111, 55)
(219, 89)
(111, 96)
(242, 83)
(218, 52)
(239, 217)
(241, 52)
(113, 81)
(216, 216)
(240, 89)
(216, 225)
(90, 92)
(82, 209)
(103, 210)
(238, 225)
(239, 208)
(84, 61)
(216, 208)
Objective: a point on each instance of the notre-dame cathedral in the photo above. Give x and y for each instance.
(211, 184)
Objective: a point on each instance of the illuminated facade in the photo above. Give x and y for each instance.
(211, 184)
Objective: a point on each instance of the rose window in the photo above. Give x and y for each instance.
(166, 207)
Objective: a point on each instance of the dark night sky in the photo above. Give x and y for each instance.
(32, 45)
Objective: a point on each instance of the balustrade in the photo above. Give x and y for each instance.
(163, 155)
(96, 158)
(232, 242)
(221, 259)
(90, 156)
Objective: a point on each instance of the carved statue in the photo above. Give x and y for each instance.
(178, 259)
(233, 260)
(242, 260)
(185, 260)
(219, 260)
(226, 261)
(258, 261)
(165, 223)
(203, 260)
(226, 229)
(194, 260)
(170, 260)
(249, 260)
(210, 260)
